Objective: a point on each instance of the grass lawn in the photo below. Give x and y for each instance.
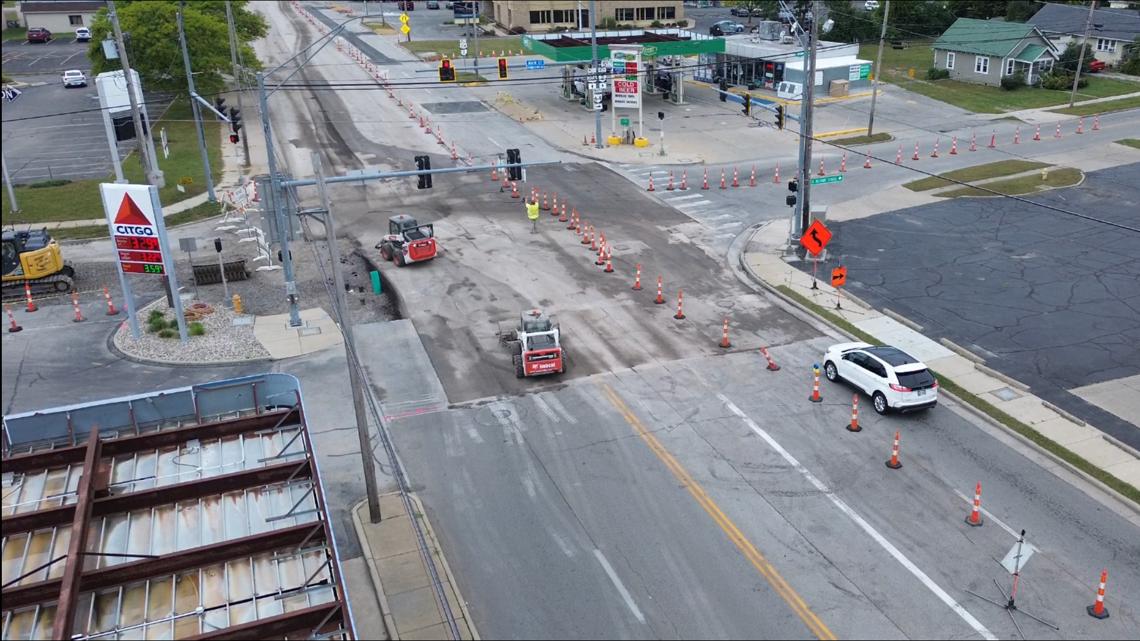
(79, 199)
(1131, 142)
(17, 33)
(980, 98)
(1102, 107)
(1063, 177)
(977, 172)
(863, 140)
(450, 48)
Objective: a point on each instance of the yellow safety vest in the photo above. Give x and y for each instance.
(532, 211)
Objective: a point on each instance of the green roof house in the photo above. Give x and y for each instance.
(985, 51)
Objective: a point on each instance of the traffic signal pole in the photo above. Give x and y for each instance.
(237, 73)
(806, 128)
(194, 105)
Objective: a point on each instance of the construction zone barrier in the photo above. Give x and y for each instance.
(854, 425)
(13, 327)
(724, 342)
(1097, 609)
(637, 279)
(815, 396)
(894, 462)
(974, 518)
(680, 315)
(772, 366)
(660, 300)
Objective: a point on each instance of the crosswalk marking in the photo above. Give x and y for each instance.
(673, 199)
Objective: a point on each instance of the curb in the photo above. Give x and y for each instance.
(374, 575)
(1132, 506)
(446, 568)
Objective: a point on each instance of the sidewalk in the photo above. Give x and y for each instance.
(762, 260)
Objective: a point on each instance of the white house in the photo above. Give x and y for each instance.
(1111, 34)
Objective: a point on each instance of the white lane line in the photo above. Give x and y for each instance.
(557, 404)
(497, 145)
(473, 434)
(566, 549)
(677, 198)
(619, 585)
(989, 515)
(545, 408)
(696, 203)
(863, 524)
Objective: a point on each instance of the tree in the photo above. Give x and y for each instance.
(980, 9)
(153, 45)
(1020, 10)
(1067, 63)
(765, 8)
(916, 19)
(1131, 62)
(853, 25)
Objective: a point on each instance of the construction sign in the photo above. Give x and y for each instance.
(839, 276)
(815, 238)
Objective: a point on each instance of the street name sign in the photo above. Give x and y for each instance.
(823, 180)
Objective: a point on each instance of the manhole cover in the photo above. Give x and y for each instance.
(463, 107)
(309, 331)
(1006, 394)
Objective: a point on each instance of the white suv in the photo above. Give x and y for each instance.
(891, 377)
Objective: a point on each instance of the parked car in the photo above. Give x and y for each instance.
(725, 27)
(83, 34)
(74, 78)
(892, 378)
(432, 4)
(740, 12)
(1097, 65)
(38, 34)
(870, 5)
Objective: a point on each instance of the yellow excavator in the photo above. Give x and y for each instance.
(34, 257)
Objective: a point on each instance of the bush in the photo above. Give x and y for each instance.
(49, 183)
(1061, 82)
(197, 329)
(934, 73)
(656, 24)
(155, 315)
(168, 333)
(155, 327)
(608, 23)
(682, 23)
(1011, 83)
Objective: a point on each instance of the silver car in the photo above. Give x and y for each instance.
(74, 78)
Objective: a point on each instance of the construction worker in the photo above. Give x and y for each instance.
(532, 213)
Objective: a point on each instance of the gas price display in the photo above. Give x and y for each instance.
(146, 243)
(140, 254)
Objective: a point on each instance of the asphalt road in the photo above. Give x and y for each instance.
(1050, 299)
(24, 58)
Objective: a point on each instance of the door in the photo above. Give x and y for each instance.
(857, 372)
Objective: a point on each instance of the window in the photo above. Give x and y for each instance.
(564, 15)
(623, 15)
(1105, 45)
(77, 21)
(667, 13)
(541, 17)
(646, 13)
(950, 59)
(982, 65)
(1009, 67)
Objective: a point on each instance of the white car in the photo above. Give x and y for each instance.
(892, 378)
(83, 34)
(870, 5)
(74, 78)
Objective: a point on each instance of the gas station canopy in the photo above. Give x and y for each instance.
(575, 46)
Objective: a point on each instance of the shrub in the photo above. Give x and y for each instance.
(197, 329)
(1016, 81)
(656, 24)
(172, 323)
(155, 327)
(934, 73)
(1060, 82)
(155, 315)
(682, 23)
(608, 23)
(168, 333)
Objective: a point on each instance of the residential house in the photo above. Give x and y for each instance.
(1111, 32)
(61, 17)
(985, 51)
(546, 15)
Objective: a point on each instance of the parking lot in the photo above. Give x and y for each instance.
(22, 58)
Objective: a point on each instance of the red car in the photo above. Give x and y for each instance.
(38, 34)
(1097, 65)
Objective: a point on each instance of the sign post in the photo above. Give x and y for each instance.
(134, 218)
(814, 240)
(625, 61)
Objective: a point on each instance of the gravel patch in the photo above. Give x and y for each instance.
(223, 341)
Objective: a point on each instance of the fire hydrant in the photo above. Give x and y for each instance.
(237, 304)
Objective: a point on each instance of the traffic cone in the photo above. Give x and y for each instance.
(1081, 125)
(111, 311)
(12, 326)
(915, 155)
(898, 156)
(1096, 122)
(685, 180)
(506, 183)
(843, 163)
(752, 178)
(854, 426)
(776, 178)
(974, 518)
(75, 305)
(554, 209)
(772, 366)
(609, 261)
(637, 279)
(585, 141)
(423, 123)
(954, 146)
(545, 202)
(724, 336)
(1017, 135)
(723, 182)
(593, 140)
(31, 305)
(821, 172)
(587, 230)
(515, 190)
(894, 463)
(601, 259)
(1058, 133)
(815, 397)
(735, 177)
(562, 218)
(993, 139)
(973, 140)
(454, 153)
(935, 154)
(705, 183)
(867, 162)
(573, 219)
(1097, 609)
(494, 174)
(680, 315)
(1037, 133)
(660, 300)
(670, 186)
(650, 182)
(593, 240)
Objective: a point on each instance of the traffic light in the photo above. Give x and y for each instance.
(723, 88)
(747, 110)
(220, 104)
(423, 163)
(514, 158)
(446, 71)
(793, 185)
(235, 139)
(235, 120)
(502, 68)
(780, 117)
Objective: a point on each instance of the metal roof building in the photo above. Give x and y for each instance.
(189, 513)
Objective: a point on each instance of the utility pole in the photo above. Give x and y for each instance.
(237, 74)
(1081, 56)
(278, 199)
(354, 368)
(476, 36)
(803, 205)
(594, 67)
(153, 173)
(878, 70)
(194, 104)
(8, 184)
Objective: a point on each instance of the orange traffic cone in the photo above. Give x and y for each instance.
(974, 518)
(562, 218)
(609, 261)
(660, 300)
(1097, 609)
(993, 139)
(637, 279)
(821, 171)
(12, 326)
(843, 163)
(915, 155)
(954, 146)
(776, 178)
(1058, 133)
(1096, 122)
(1037, 133)
(684, 180)
(705, 183)
(670, 186)
(867, 162)
(898, 156)
(854, 426)
(680, 315)
(723, 184)
(752, 178)
(545, 202)
(935, 154)
(735, 177)
(772, 366)
(894, 463)
(973, 140)
(1017, 135)
(30, 304)
(650, 182)
(724, 336)
(1081, 125)
(515, 190)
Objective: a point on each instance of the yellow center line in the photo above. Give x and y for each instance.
(781, 586)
